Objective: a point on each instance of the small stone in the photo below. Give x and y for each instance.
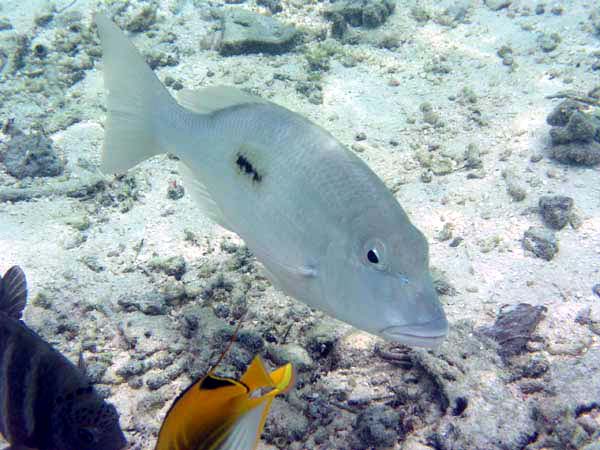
(431, 117)
(156, 381)
(586, 154)
(595, 20)
(360, 136)
(504, 51)
(549, 41)
(151, 303)
(582, 127)
(456, 242)
(31, 155)
(594, 319)
(285, 424)
(496, 5)
(251, 340)
(143, 20)
(156, 58)
(131, 368)
(472, 157)
(44, 18)
(442, 284)
(5, 24)
(174, 266)
(557, 10)
(95, 371)
(42, 300)
(514, 327)
(272, 5)
(488, 244)
(79, 222)
(368, 13)
(445, 234)
(375, 427)
(420, 13)
(175, 191)
(93, 263)
(571, 347)
(596, 289)
(560, 115)
(294, 354)
(541, 242)
(152, 401)
(532, 386)
(135, 382)
(535, 367)
(173, 291)
(556, 210)
(358, 148)
(536, 157)
(514, 186)
(426, 176)
(248, 32)
(174, 371)
(322, 338)
(560, 136)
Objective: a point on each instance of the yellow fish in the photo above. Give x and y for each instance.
(223, 413)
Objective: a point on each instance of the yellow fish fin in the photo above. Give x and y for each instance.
(257, 376)
(283, 378)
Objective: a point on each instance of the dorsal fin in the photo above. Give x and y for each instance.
(215, 98)
(13, 292)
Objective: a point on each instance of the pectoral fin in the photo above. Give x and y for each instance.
(201, 196)
(285, 277)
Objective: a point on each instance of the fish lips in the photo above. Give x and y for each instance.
(428, 334)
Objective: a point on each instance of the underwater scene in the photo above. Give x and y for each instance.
(299, 224)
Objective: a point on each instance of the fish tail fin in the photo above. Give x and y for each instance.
(136, 101)
(13, 292)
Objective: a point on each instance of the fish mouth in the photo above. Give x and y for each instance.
(428, 334)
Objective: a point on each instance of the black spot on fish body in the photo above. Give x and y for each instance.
(247, 168)
(250, 162)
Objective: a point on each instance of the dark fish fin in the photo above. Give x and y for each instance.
(13, 292)
(81, 364)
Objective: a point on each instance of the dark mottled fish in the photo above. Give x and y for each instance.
(46, 402)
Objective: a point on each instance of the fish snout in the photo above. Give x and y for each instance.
(428, 334)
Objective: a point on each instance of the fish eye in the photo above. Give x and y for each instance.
(85, 436)
(374, 254)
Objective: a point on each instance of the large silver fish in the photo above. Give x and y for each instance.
(46, 402)
(325, 227)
